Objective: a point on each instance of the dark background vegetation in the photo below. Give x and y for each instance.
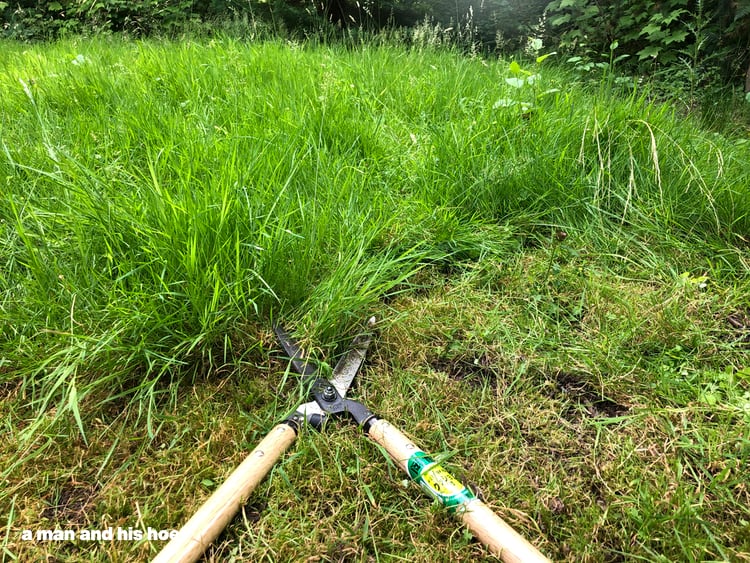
(699, 42)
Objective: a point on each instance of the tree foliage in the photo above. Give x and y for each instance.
(705, 36)
(28, 19)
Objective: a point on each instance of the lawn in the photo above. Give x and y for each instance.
(559, 268)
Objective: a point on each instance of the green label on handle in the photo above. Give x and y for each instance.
(437, 482)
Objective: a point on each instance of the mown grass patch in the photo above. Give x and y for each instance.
(560, 274)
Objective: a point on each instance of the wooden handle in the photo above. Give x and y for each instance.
(488, 527)
(497, 535)
(206, 524)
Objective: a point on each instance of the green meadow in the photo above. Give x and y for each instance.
(559, 268)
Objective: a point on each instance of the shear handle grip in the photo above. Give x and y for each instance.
(214, 515)
(488, 527)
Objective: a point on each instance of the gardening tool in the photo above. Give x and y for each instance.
(328, 401)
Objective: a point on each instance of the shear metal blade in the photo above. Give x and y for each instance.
(295, 353)
(348, 366)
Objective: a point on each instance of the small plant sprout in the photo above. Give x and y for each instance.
(521, 81)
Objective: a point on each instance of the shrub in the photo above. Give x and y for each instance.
(706, 37)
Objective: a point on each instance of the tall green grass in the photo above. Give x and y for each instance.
(159, 197)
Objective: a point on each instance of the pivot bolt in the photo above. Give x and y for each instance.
(329, 393)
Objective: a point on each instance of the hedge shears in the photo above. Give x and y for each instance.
(328, 401)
